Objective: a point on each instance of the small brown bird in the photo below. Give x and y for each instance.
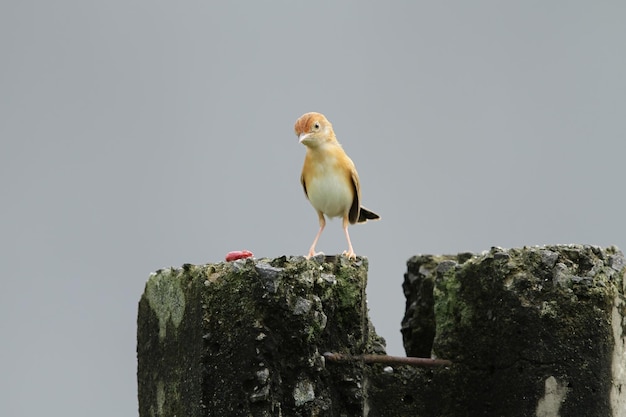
(329, 178)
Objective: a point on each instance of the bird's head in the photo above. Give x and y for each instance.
(313, 130)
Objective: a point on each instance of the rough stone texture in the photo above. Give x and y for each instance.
(537, 331)
(246, 338)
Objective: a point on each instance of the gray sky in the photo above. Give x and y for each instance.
(139, 135)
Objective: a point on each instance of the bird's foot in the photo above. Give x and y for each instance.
(349, 254)
(313, 253)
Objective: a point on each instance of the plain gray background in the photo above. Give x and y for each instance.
(145, 134)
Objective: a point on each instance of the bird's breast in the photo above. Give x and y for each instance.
(330, 192)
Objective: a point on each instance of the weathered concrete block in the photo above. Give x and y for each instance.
(531, 332)
(247, 338)
(538, 331)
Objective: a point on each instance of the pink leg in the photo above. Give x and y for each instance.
(319, 233)
(350, 252)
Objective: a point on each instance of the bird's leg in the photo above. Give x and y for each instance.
(319, 233)
(350, 252)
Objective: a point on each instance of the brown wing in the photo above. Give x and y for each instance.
(303, 185)
(353, 215)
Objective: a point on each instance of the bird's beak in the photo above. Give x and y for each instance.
(303, 137)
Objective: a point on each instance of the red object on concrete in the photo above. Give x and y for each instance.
(238, 254)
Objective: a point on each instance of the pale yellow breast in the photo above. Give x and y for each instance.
(330, 194)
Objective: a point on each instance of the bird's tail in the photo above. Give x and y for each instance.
(365, 214)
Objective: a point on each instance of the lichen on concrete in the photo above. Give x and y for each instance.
(166, 298)
(550, 404)
(618, 365)
(160, 398)
(303, 392)
(513, 317)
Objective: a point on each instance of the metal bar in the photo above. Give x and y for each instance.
(386, 359)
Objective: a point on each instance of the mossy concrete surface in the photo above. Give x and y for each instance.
(247, 338)
(536, 331)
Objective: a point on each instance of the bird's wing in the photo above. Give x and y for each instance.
(303, 185)
(353, 215)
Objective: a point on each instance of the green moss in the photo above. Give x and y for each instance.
(451, 308)
(345, 293)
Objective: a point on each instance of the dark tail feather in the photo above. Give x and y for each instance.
(365, 214)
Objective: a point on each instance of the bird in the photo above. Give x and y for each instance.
(329, 178)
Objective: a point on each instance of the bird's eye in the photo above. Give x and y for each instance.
(316, 126)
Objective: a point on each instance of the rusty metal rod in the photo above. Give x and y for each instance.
(386, 359)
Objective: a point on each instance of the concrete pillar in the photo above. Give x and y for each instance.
(536, 331)
(247, 338)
